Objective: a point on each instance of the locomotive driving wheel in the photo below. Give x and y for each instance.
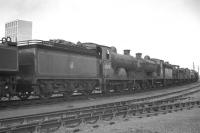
(137, 87)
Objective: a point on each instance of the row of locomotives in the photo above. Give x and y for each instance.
(194, 76)
(184, 75)
(128, 73)
(57, 67)
(8, 68)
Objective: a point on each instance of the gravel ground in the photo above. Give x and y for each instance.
(187, 121)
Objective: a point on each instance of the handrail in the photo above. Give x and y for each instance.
(51, 43)
(30, 42)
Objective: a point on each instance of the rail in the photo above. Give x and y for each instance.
(32, 102)
(106, 114)
(91, 114)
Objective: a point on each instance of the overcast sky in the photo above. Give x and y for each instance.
(164, 29)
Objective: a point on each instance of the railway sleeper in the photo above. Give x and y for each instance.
(91, 120)
(144, 105)
(177, 105)
(122, 114)
(49, 126)
(87, 111)
(150, 104)
(169, 107)
(84, 108)
(72, 123)
(5, 130)
(123, 103)
(53, 117)
(122, 108)
(109, 105)
(98, 113)
(98, 110)
(132, 108)
(168, 101)
(147, 110)
(139, 111)
(188, 104)
(163, 107)
(198, 102)
(109, 108)
(155, 109)
(132, 112)
(84, 115)
(108, 112)
(118, 103)
(70, 117)
(193, 103)
(28, 128)
(107, 117)
(69, 114)
(12, 122)
(100, 106)
(183, 105)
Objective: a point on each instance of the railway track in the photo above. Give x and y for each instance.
(54, 100)
(49, 122)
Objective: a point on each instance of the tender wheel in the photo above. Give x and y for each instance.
(131, 89)
(23, 95)
(44, 92)
(67, 94)
(47, 95)
(87, 93)
(144, 86)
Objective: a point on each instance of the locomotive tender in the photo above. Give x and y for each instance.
(8, 66)
(60, 67)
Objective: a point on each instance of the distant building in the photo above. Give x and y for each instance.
(19, 30)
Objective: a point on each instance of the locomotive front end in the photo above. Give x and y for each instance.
(8, 67)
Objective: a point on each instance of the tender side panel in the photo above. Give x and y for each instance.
(8, 59)
(26, 62)
(168, 73)
(55, 63)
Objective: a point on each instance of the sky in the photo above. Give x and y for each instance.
(163, 29)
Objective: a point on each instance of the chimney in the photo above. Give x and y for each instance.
(138, 55)
(126, 52)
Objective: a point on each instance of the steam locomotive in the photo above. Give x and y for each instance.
(43, 68)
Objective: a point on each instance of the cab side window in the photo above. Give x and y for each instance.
(99, 51)
(107, 54)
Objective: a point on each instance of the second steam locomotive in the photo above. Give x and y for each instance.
(44, 68)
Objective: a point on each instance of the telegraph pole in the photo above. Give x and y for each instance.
(193, 66)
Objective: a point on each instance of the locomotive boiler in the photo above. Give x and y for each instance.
(133, 63)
